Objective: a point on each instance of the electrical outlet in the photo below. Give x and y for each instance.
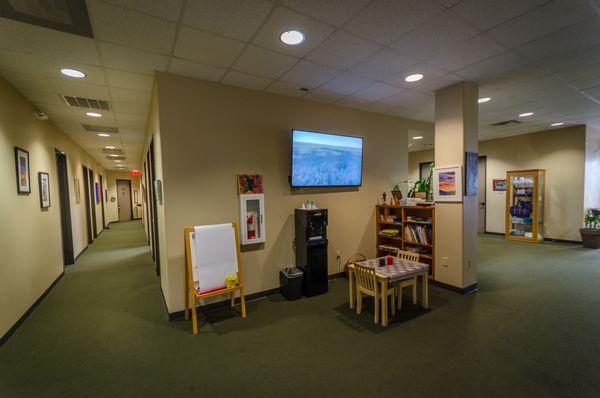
(445, 261)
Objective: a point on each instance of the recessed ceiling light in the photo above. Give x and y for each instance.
(103, 135)
(292, 37)
(73, 73)
(93, 114)
(118, 161)
(483, 100)
(413, 78)
(113, 155)
(418, 137)
(109, 147)
(526, 114)
(557, 124)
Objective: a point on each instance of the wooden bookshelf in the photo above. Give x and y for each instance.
(419, 218)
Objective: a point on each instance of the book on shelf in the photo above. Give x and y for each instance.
(418, 234)
(389, 232)
(419, 219)
(388, 248)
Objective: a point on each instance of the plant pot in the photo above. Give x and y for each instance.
(590, 237)
(422, 195)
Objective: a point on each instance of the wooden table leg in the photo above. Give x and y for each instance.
(384, 302)
(425, 292)
(351, 287)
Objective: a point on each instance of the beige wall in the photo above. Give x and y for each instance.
(112, 210)
(30, 238)
(559, 151)
(212, 132)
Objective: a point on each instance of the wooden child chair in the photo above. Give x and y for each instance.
(408, 256)
(366, 282)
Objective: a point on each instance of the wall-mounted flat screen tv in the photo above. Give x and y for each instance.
(325, 160)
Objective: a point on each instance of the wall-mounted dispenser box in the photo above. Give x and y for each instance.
(252, 218)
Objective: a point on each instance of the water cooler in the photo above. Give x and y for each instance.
(311, 249)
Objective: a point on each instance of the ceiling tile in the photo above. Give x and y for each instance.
(334, 12)
(238, 19)
(265, 63)
(122, 26)
(125, 95)
(440, 34)
(377, 92)
(283, 88)
(42, 97)
(493, 66)
(207, 48)
(342, 50)
(385, 21)
(79, 89)
(130, 107)
(402, 112)
(24, 81)
(580, 35)
(132, 60)
(555, 15)
(132, 81)
(307, 74)
(473, 50)
(580, 72)
(580, 56)
(429, 73)
(283, 19)
(383, 64)
(346, 83)
(197, 71)
(353, 102)
(486, 14)
(408, 98)
(239, 79)
(40, 41)
(168, 9)
(378, 107)
(322, 96)
(448, 3)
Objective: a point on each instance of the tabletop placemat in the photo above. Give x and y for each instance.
(398, 270)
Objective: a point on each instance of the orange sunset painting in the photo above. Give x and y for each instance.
(447, 185)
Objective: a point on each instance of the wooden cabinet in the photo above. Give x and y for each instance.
(414, 228)
(525, 205)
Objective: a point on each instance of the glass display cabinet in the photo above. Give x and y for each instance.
(252, 220)
(525, 205)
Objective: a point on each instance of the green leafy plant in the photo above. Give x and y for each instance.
(592, 218)
(423, 185)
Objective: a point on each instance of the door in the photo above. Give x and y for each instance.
(92, 192)
(65, 208)
(88, 210)
(124, 200)
(481, 177)
(102, 196)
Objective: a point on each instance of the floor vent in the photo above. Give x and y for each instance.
(86, 103)
(100, 129)
(505, 123)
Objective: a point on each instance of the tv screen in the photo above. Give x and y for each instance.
(325, 160)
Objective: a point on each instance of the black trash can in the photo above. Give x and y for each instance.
(290, 279)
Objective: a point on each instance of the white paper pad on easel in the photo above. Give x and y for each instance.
(215, 256)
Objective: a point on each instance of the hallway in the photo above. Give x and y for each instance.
(103, 331)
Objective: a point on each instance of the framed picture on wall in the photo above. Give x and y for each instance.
(136, 196)
(44, 183)
(448, 184)
(158, 194)
(499, 184)
(471, 165)
(22, 171)
(98, 192)
(77, 190)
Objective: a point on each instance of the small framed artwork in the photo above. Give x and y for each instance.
(44, 182)
(472, 164)
(447, 184)
(98, 192)
(136, 196)
(158, 194)
(22, 171)
(77, 190)
(250, 184)
(499, 184)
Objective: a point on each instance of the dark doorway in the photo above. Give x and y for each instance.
(65, 208)
(93, 201)
(152, 177)
(88, 210)
(102, 198)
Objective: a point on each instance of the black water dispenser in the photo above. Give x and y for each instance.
(311, 249)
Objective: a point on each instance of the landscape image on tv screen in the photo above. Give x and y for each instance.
(321, 160)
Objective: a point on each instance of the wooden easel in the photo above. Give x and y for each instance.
(191, 294)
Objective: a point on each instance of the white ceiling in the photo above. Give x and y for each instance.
(528, 55)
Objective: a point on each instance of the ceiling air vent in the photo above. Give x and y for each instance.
(112, 151)
(100, 129)
(115, 157)
(505, 123)
(87, 103)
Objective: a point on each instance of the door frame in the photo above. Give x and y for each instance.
(130, 198)
(101, 181)
(66, 229)
(88, 215)
(152, 165)
(93, 202)
(484, 157)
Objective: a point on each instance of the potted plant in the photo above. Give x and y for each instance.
(422, 188)
(590, 235)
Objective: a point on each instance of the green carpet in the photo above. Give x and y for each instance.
(533, 329)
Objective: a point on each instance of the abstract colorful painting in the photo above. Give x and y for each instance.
(22, 170)
(499, 184)
(447, 184)
(250, 184)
